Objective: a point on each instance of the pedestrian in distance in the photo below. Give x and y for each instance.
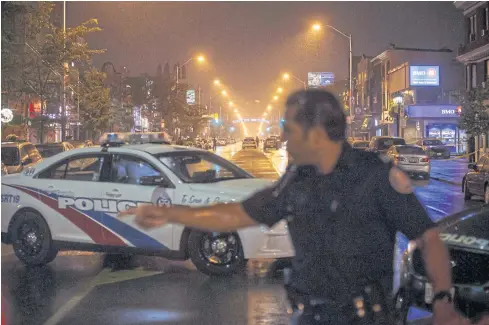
(214, 144)
(343, 208)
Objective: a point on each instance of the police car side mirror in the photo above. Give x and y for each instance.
(154, 181)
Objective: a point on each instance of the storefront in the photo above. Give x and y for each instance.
(435, 121)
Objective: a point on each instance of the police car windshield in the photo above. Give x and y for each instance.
(201, 167)
(10, 156)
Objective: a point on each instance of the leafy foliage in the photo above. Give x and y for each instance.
(96, 111)
(475, 112)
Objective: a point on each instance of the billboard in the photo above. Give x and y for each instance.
(190, 96)
(319, 79)
(424, 75)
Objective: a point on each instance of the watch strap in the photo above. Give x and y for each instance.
(441, 295)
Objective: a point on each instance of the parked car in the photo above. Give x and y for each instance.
(382, 144)
(19, 155)
(270, 143)
(81, 144)
(411, 159)
(435, 148)
(360, 144)
(476, 180)
(50, 149)
(466, 235)
(249, 142)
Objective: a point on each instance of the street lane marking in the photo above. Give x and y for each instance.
(106, 276)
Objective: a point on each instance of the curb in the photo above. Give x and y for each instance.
(445, 181)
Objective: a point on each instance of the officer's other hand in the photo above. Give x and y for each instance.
(147, 216)
(445, 314)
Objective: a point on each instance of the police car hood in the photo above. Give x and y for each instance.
(236, 187)
(468, 230)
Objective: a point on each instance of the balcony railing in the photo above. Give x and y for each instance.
(480, 40)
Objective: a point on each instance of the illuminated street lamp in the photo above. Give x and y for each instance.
(236, 110)
(287, 76)
(317, 27)
(231, 103)
(217, 82)
(269, 107)
(275, 98)
(199, 59)
(280, 90)
(224, 93)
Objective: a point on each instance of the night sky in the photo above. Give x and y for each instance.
(248, 44)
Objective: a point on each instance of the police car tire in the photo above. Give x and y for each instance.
(47, 253)
(201, 263)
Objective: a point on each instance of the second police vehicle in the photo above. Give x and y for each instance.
(72, 200)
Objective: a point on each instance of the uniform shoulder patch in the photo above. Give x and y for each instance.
(400, 181)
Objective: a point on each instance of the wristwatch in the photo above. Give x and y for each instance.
(444, 296)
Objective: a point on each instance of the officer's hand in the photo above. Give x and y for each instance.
(445, 314)
(147, 216)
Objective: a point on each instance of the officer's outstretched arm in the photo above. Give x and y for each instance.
(219, 217)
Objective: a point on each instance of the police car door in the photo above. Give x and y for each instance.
(70, 191)
(126, 189)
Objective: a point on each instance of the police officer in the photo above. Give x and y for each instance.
(343, 207)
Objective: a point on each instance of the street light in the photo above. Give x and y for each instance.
(280, 90)
(199, 59)
(236, 110)
(286, 77)
(217, 82)
(231, 103)
(317, 27)
(398, 100)
(224, 93)
(275, 98)
(269, 107)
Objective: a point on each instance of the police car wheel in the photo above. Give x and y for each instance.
(31, 238)
(216, 254)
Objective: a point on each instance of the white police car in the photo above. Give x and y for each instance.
(71, 201)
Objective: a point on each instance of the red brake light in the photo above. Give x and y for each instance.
(425, 159)
(398, 158)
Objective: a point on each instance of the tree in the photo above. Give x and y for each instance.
(46, 53)
(475, 112)
(95, 106)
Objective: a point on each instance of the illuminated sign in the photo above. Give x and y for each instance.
(432, 111)
(190, 96)
(320, 79)
(247, 120)
(423, 75)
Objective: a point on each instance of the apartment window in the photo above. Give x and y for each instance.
(473, 74)
(485, 26)
(472, 28)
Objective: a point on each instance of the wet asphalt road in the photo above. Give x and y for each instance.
(90, 288)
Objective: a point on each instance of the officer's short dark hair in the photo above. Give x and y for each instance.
(317, 107)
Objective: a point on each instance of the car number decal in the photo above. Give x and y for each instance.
(10, 198)
(469, 241)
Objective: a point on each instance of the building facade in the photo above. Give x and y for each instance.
(474, 53)
(424, 82)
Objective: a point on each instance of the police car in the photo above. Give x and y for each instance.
(72, 200)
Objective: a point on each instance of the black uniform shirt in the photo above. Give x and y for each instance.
(343, 224)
